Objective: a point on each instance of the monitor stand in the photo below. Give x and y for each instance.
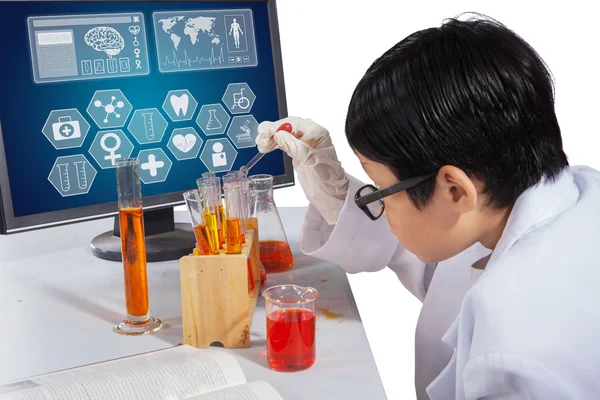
(165, 240)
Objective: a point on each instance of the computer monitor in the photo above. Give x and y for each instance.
(181, 85)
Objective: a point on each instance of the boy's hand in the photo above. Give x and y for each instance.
(319, 172)
(306, 135)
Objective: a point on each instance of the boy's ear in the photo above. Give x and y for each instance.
(456, 189)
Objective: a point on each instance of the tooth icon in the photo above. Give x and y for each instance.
(180, 104)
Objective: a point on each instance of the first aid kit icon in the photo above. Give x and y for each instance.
(66, 129)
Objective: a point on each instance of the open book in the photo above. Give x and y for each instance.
(181, 372)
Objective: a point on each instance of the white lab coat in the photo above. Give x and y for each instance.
(528, 327)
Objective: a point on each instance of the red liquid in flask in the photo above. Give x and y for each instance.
(276, 256)
(291, 339)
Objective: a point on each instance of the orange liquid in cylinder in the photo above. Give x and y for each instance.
(291, 339)
(131, 222)
(276, 256)
(202, 241)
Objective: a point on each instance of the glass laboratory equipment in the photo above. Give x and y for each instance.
(248, 221)
(193, 201)
(275, 252)
(211, 176)
(234, 216)
(210, 210)
(133, 248)
(291, 319)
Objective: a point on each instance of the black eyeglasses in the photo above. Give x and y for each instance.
(370, 200)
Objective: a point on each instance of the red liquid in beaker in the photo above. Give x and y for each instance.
(276, 256)
(291, 339)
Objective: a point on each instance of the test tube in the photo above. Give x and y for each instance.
(219, 205)
(193, 201)
(133, 247)
(233, 217)
(208, 190)
(237, 176)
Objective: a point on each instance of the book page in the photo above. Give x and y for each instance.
(258, 390)
(175, 373)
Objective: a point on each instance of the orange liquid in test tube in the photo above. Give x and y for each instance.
(234, 233)
(202, 239)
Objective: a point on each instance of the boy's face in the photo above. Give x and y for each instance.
(446, 226)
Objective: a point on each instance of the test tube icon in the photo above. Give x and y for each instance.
(63, 171)
(81, 175)
(148, 125)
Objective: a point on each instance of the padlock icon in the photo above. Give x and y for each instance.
(66, 129)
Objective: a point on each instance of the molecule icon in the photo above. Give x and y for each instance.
(110, 108)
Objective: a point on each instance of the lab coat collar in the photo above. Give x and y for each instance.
(536, 207)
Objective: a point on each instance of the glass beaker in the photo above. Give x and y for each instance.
(133, 248)
(275, 252)
(291, 320)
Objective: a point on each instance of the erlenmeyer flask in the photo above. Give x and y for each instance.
(275, 252)
(213, 122)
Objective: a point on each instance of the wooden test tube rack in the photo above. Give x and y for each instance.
(216, 305)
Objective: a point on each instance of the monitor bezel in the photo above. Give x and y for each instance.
(11, 224)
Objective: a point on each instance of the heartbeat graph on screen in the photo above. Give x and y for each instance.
(186, 61)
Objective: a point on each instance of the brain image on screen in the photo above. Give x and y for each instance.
(106, 39)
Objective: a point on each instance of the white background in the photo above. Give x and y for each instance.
(327, 46)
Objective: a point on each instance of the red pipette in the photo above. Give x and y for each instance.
(285, 127)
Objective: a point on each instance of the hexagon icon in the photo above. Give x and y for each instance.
(185, 143)
(180, 105)
(218, 155)
(72, 175)
(110, 146)
(109, 108)
(239, 98)
(147, 125)
(155, 166)
(65, 129)
(243, 131)
(213, 119)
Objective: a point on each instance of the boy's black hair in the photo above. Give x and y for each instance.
(471, 94)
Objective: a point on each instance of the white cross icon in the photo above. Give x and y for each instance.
(66, 130)
(152, 165)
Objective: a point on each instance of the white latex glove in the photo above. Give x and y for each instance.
(320, 174)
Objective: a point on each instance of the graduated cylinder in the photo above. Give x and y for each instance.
(133, 247)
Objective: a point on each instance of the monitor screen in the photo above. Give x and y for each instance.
(180, 85)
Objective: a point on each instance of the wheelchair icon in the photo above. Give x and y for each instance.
(240, 100)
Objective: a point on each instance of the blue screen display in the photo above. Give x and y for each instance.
(180, 85)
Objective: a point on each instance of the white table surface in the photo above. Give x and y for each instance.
(58, 304)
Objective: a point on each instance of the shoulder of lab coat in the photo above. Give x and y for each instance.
(529, 328)
(358, 244)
